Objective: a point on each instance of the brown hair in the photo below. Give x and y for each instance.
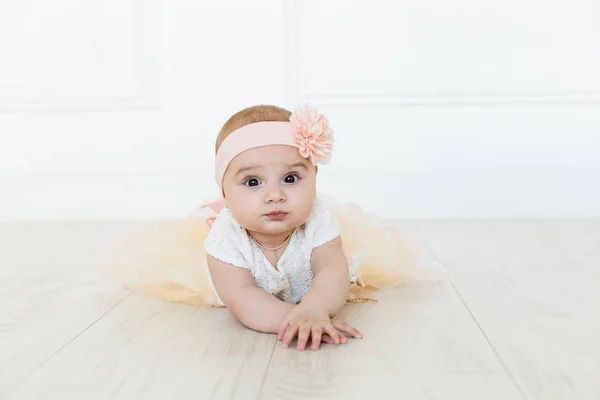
(249, 116)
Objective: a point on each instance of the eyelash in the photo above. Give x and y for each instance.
(295, 181)
(247, 180)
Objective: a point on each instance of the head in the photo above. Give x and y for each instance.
(268, 185)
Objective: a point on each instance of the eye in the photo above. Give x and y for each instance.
(291, 178)
(252, 182)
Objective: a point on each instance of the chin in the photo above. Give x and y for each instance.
(277, 228)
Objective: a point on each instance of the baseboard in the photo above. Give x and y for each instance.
(460, 193)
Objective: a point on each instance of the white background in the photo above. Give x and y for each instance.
(469, 108)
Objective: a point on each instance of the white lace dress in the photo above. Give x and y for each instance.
(229, 242)
(168, 259)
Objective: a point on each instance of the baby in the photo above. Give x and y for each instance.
(274, 252)
(269, 248)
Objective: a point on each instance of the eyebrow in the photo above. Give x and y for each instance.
(252, 167)
(296, 165)
(246, 169)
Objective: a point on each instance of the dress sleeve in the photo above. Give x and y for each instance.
(321, 226)
(225, 241)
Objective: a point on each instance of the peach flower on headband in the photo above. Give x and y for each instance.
(312, 134)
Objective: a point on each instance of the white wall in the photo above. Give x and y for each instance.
(470, 108)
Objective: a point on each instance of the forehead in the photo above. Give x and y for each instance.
(268, 156)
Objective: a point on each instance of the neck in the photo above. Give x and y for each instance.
(270, 240)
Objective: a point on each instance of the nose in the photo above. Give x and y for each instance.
(274, 194)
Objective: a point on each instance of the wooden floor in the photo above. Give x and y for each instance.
(517, 318)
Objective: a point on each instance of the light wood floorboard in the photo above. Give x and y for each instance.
(419, 341)
(517, 317)
(534, 289)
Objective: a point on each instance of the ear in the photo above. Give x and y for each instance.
(223, 197)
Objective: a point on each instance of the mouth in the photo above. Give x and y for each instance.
(276, 215)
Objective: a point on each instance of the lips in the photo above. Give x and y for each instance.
(276, 215)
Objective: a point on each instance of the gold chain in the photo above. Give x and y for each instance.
(361, 300)
(273, 248)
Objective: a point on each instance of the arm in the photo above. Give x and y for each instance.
(249, 304)
(331, 282)
(327, 296)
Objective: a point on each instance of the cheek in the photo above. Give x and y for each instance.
(235, 197)
(305, 201)
(303, 214)
(242, 204)
(243, 217)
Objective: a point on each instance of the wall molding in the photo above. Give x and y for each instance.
(145, 32)
(294, 95)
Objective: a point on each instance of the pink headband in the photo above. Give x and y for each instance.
(307, 130)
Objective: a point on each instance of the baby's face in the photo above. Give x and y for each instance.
(270, 190)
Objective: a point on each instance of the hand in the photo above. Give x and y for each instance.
(312, 321)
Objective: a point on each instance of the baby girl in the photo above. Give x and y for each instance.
(281, 258)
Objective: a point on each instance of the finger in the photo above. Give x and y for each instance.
(345, 327)
(282, 330)
(343, 339)
(316, 338)
(303, 334)
(289, 335)
(335, 335)
(327, 339)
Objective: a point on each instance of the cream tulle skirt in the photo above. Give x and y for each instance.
(167, 260)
